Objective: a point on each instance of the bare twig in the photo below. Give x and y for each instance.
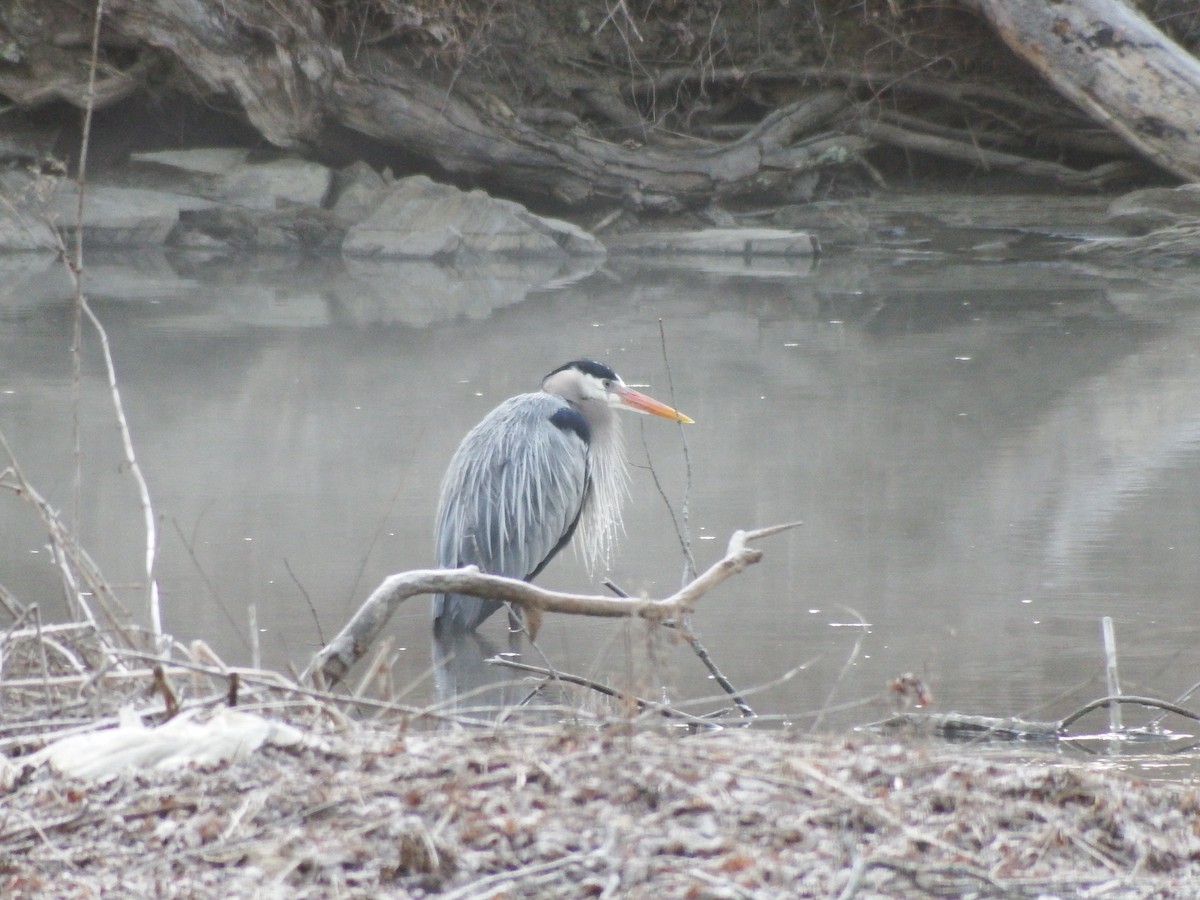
(1111, 673)
(685, 536)
(15, 607)
(1105, 702)
(252, 625)
(643, 705)
(72, 559)
(850, 660)
(699, 649)
(136, 471)
(73, 262)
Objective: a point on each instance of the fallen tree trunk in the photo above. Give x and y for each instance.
(464, 140)
(307, 75)
(1113, 63)
(284, 71)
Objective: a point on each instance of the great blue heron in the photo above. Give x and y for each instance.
(537, 466)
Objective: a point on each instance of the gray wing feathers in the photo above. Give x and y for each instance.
(514, 488)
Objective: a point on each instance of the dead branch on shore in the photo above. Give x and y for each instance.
(78, 570)
(332, 662)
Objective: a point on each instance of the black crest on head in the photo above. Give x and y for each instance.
(588, 367)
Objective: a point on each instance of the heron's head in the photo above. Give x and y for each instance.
(583, 382)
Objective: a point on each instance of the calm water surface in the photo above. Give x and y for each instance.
(987, 458)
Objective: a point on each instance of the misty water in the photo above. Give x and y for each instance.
(987, 458)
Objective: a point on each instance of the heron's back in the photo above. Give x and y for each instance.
(511, 498)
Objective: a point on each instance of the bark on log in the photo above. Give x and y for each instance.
(1113, 63)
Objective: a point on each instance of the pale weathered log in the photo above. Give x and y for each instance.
(274, 59)
(335, 659)
(1112, 62)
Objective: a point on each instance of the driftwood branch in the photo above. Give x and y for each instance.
(333, 661)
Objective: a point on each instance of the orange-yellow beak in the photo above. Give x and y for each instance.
(639, 402)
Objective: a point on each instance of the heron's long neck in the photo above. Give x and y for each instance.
(601, 523)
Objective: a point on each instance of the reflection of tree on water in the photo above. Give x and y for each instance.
(465, 682)
(467, 685)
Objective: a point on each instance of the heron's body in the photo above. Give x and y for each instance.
(537, 468)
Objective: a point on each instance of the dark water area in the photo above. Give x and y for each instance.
(987, 457)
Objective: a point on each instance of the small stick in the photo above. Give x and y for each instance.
(255, 649)
(700, 651)
(1151, 702)
(643, 705)
(162, 686)
(135, 469)
(312, 610)
(1110, 671)
(37, 619)
(231, 696)
(376, 667)
(850, 660)
(14, 606)
(685, 538)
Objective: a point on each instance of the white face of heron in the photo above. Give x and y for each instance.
(612, 391)
(577, 385)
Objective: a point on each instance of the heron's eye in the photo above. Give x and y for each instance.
(608, 383)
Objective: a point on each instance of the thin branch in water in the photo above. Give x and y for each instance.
(1111, 672)
(312, 609)
(679, 534)
(643, 705)
(1107, 702)
(135, 470)
(190, 547)
(252, 625)
(15, 607)
(68, 555)
(362, 564)
(689, 570)
(700, 651)
(850, 660)
(75, 266)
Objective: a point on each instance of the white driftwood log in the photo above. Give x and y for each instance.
(333, 661)
(1115, 65)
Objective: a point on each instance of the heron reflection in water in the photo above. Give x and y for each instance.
(538, 468)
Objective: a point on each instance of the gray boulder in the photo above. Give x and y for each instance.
(233, 177)
(421, 219)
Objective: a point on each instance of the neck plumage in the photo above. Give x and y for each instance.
(600, 525)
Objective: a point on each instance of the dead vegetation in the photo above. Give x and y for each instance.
(358, 797)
